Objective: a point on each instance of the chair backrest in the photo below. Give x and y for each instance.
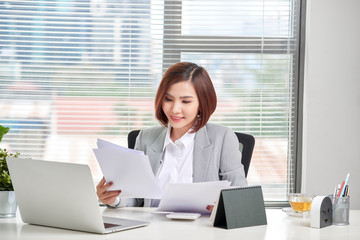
(246, 146)
(132, 138)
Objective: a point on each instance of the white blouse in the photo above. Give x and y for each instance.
(176, 165)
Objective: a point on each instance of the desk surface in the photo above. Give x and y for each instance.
(280, 226)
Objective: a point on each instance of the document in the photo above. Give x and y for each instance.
(101, 143)
(129, 170)
(191, 197)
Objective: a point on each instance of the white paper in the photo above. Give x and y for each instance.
(191, 197)
(129, 171)
(101, 143)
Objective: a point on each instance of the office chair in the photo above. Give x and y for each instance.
(132, 138)
(246, 146)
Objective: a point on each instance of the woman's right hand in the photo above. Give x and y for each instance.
(105, 196)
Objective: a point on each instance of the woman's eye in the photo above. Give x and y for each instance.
(186, 101)
(168, 99)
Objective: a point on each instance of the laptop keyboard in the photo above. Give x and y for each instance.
(110, 225)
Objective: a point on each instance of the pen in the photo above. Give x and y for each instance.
(346, 183)
(346, 191)
(339, 194)
(335, 191)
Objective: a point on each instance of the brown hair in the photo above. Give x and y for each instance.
(200, 79)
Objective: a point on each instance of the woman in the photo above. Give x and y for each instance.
(186, 148)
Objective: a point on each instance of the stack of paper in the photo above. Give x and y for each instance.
(128, 169)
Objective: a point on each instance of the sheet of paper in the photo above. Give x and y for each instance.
(191, 197)
(130, 172)
(101, 143)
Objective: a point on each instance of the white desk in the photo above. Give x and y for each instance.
(280, 226)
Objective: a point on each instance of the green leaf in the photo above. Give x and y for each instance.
(3, 131)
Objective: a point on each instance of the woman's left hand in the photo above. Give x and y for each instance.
(210, 208)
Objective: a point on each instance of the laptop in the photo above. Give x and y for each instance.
(61, 195)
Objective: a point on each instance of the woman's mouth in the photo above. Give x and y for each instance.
(176, 118)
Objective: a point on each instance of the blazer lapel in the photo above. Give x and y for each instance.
(202, 154)
(155, 151)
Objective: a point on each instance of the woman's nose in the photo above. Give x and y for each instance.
(176, 108)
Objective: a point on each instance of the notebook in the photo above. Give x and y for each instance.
(61, 195)
(239, 207)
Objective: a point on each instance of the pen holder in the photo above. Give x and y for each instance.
(340, 207)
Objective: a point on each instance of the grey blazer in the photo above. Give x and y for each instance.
(216, 153)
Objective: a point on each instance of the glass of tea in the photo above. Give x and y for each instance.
(301, 202)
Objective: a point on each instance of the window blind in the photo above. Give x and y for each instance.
(75, 71)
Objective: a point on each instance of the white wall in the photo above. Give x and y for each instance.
(332, 97)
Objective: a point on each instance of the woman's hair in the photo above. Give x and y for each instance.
(200, 79)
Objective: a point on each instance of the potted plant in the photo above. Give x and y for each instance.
(7, 196)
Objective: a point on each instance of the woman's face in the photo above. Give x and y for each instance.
(181, 106)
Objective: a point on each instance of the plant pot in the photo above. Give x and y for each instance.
(8, 204)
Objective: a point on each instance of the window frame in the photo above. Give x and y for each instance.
(185, 43)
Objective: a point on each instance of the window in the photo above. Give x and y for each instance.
(75, 71)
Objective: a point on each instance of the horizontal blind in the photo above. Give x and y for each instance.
(75, 71)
